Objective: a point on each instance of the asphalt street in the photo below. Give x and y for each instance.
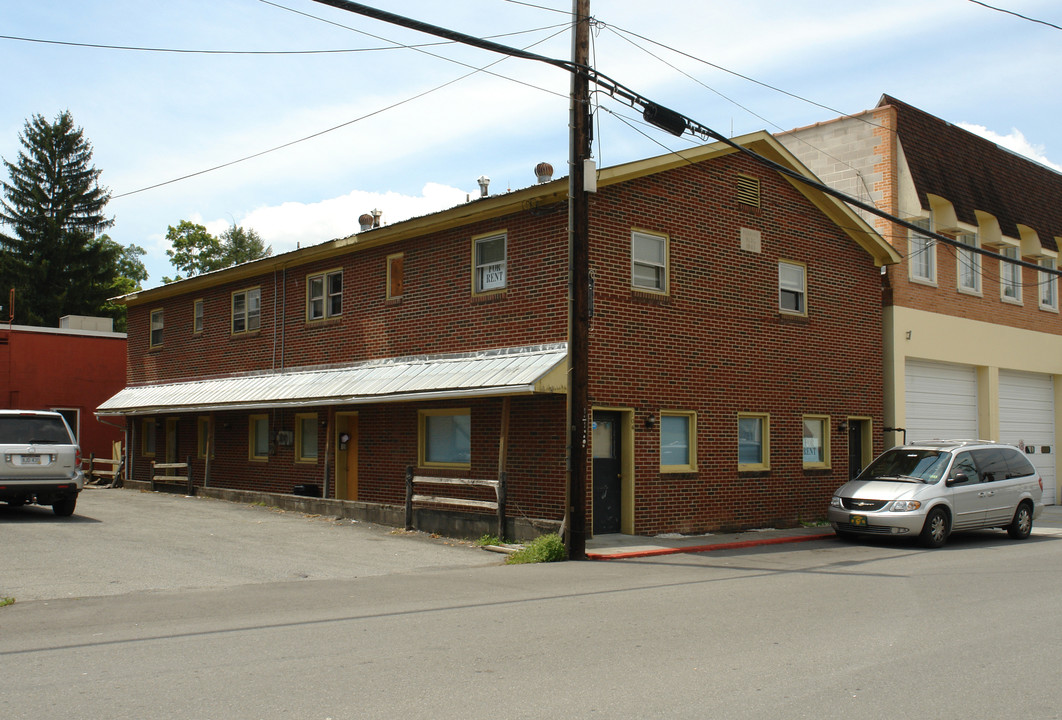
(814, 629)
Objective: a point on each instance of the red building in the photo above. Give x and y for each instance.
(735, 352)
(72, 369)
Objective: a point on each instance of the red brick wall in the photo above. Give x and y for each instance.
(716, 345)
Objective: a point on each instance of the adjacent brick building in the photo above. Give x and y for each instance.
(735, 352)
(973, 343)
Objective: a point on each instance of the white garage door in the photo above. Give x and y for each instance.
(1027, 419)
(941, 401)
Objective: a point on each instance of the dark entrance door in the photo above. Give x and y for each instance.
(607, 486)
(855, 447)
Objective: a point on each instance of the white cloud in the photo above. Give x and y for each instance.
(1015, 141)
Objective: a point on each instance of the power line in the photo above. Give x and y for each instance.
(1011, 12)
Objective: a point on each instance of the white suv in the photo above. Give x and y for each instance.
(41, 460)
(931, 489)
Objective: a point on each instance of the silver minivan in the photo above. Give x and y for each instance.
(929, 490)
(40, 461)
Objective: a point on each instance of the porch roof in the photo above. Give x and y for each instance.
(507, 371)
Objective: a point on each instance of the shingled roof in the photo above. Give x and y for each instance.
(976, 174)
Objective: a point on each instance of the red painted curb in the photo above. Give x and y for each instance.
(706, 548)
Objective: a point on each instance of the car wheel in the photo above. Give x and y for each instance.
(1021, 526)
(65, 507)
(935, 531)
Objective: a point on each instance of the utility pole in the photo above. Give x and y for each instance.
(578, 281)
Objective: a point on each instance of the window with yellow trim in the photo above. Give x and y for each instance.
(678, 441)
(246, 311)
(324, 295)
(203, 437)
(754, 441)
(258, 437)
(147, 437)
(155, 339)
(306, 437)
(445, 437)
(816, 441)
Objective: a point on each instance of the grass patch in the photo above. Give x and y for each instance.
(489, 540)
(545, 548)
(5, 601)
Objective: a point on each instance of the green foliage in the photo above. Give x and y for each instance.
(195, 251)
(53, 256)
(489, 540)
(544, 548)
(4, 601)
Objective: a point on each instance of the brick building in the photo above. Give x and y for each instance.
(72, 369)
(973, 343)
(735, 352)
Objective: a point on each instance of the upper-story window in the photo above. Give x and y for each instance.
(922, 253)
(246, 310)
(792, 288)
(1010, 275)
(649, 262)
(156, 328)
(395, 280)
(968, 272)
(488, 260)
(197, 317)
(324, 295)
(1048, 285)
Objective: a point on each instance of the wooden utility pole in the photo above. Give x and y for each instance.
(578, 281)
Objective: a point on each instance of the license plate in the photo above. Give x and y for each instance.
(31, 459)
(860, 520)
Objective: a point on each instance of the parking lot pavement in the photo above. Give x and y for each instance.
(125, 541)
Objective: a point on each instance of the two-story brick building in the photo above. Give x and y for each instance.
(973, 343)
(735, 352)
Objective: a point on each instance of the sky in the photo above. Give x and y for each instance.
(381, 117)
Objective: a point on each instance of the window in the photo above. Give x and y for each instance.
(395, 286)
(969, 268)
(258, 437)
(306, 438)
(1048, 285)
(203, 435)
(678, 441)
(156, 328)
(197, 317)
(649, 256)
(488, 260)
(147, 437)
(1010, 275)
(754, 436)
(922, 253)
(816, 441)
(445, 437)
(792, 288)
(324, 295)
(246, 310)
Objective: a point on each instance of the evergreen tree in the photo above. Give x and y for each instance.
(53, 207)
(240, 246)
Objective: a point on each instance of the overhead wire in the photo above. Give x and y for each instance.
(1015, 14)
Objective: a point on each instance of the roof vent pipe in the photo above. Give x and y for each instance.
(365, 221)
(376, 215)
(484, 183)
(544, 172)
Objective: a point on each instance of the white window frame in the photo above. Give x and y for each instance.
(323, 300)
(1048, 285)
(1010, 290)
(786, 285)
(691, 441)
(968, 265)
(922, 253)
(249, 319)
(493, 275)
(658, 267)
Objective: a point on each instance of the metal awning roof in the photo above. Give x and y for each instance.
(510, 371)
